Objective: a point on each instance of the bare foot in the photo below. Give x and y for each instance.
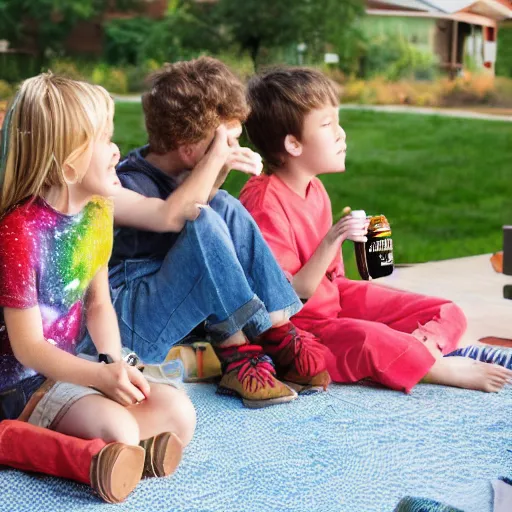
(462, 372)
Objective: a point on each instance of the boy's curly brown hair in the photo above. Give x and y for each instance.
(187, 100)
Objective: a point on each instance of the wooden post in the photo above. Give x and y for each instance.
(473, 38)
(455, 33)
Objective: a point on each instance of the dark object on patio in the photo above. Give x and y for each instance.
(507, 250)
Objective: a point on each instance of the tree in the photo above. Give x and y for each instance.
(333, 24)
(255, 24)
(50, 21)
(180, 34)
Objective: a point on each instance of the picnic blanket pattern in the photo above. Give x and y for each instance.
(353, 449)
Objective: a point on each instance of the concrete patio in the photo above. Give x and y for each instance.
(471, 283)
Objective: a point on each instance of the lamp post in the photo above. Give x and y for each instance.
(301, 48)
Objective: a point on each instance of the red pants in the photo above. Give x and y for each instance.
(372, 336)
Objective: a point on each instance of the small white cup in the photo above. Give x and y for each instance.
(358, 214)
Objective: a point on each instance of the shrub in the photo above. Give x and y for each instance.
(467, 90)
(240, 63)
(6, 91)
(125, 39)
(15, 67)
(504, 57)
(395, 58)
(464, 91)
(503, 91)
(113, 79)
(67, 67)
(136, 75)
(135, 78)
(334, 73)
(136, 40)
(353, 91)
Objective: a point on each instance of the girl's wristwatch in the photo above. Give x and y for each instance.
(105, 358)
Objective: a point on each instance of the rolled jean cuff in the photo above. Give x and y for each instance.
(252, 318)
(256, 326)
(293, 308)
(261, 323)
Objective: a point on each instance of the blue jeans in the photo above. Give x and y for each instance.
(14, 400)
(220, 270)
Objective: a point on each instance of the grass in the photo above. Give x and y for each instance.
(445, 184)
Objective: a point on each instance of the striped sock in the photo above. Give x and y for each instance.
(486, 354)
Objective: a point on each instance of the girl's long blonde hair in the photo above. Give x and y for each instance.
(51, 121)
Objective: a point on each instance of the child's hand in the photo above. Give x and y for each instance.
(220, 143)
(122, 383)
(244, 159)
(348, 228)
(235, 156)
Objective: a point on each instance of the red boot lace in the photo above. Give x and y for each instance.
(255, 370)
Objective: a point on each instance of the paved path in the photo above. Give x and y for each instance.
(399, 109)
(446, 112)
(132, 98)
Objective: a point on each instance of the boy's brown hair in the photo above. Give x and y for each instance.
(187, 100)
(279, 100)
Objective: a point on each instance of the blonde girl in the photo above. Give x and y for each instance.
(56, 231)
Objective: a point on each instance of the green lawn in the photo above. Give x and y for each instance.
(444, 184)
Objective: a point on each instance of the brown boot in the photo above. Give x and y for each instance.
(299, 358)
(116, 470)
(249, 374)
(163, 454)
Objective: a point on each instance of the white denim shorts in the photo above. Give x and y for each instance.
(59, 398)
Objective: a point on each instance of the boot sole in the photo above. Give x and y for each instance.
(166, 453)
(257, 404)
(117, 471)
(303, 387)
(304, 390)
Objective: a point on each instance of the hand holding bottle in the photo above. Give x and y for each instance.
(349, 227)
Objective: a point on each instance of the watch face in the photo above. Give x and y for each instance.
(130, 357)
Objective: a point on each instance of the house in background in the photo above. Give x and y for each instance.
(454, 30)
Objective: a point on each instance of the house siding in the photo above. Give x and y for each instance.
(418, 31)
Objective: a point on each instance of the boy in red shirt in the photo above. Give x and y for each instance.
(395, 338)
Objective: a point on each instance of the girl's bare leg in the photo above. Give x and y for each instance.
(96, 416)
(167, 409)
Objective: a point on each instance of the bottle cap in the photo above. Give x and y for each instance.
(358, 214)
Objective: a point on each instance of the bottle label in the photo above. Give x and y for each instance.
(381, 251)
(385, 244)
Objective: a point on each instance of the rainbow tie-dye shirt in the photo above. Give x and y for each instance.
(48, 259)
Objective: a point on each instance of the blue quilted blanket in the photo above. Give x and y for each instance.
(353, 449)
